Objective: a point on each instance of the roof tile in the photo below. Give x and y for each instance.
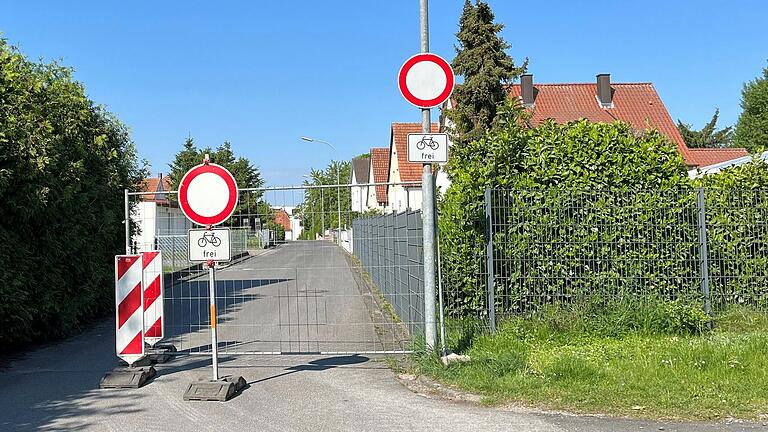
(380, 162)
(709, 156)
(635, 103)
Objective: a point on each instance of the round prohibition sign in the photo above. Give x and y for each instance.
(426, 80)
(208, 194)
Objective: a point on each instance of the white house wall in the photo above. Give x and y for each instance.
(371, 201)
(143, 217)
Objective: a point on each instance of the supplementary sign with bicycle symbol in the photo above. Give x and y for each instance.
(209, 244)
(427, 148)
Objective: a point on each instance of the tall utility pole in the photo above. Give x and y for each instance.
(428, 206)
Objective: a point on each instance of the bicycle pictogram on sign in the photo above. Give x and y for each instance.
(209, 237)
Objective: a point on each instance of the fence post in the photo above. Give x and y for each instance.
(127, 222)
(703, 252)
(489, 262)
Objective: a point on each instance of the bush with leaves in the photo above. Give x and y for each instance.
(554, 171)
(737, 216)
(64, 163)
(752, 127)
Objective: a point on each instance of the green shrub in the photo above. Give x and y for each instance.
(64, 163)
(559, 209)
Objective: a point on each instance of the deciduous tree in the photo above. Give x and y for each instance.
(752, 127)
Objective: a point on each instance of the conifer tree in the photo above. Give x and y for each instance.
(486, 68)
(184, 160)
(708, 136)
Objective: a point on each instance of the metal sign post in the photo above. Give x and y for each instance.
(426, 80)
(208, 196)
(214, 335)
(428, 205)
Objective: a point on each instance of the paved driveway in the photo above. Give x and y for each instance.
(56, 387)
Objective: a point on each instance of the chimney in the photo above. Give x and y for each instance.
(526, 89)
(604, 92)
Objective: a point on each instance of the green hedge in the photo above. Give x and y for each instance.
(584, 210)
(64, 163)
(737, 230)
(578, 155)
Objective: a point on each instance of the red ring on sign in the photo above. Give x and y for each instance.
(426, 103)
(228, 178)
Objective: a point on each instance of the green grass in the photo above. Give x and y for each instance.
(639, 362)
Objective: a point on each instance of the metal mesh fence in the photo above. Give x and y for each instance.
(389, 247)
(548, 246)
(293, 285)
(737, 247)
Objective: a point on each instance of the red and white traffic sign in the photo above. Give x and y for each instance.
(208, 194)
(129, 308)
(152, 263)
(426, 80)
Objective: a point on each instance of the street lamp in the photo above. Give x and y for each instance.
(338, 182)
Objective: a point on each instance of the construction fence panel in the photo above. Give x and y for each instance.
(292, 287)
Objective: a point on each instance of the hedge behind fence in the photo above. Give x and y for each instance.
(64, 163)
(595, 210)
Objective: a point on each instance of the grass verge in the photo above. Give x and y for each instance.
(618, 363)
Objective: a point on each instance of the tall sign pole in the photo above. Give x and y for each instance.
(208, 196)
(428, 205)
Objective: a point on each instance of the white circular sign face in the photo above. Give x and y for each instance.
(425, 80)
(208, 194)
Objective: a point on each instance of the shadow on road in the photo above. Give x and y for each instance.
(318, 365)
(187, 303)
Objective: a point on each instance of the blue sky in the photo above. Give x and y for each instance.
(261, 74)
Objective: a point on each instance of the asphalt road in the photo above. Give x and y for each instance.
(56, 387)
(301, 297)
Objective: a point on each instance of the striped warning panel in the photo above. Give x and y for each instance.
(129, 308)
(152, 263)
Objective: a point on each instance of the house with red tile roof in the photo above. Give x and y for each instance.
(156, 215)
(284, 220)
(284, 216)
(603, 101)
(359, 179)
(154, 188)
(379, 173)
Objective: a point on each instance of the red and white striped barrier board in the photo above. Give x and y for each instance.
(153, 296)
(129, 310)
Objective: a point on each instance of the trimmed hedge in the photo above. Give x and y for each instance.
(578, 155)
(64, 163)
(592, 210)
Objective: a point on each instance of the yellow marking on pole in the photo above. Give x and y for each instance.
(213, 316)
